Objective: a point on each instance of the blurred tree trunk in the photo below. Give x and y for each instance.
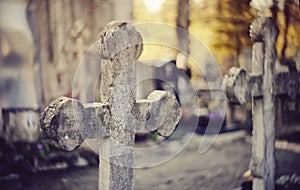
(286, 28)
(182, 23)
(286, 19)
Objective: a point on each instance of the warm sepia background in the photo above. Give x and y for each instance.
(48, 49)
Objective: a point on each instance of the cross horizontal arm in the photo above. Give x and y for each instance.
(66, 123)
(160, 111)
(240, 86)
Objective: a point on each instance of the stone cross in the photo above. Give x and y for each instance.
(115, 120)
(261, 86)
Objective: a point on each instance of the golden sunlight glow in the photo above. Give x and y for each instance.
(153, 5)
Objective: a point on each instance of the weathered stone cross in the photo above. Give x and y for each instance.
(66, 122)
(262, 85)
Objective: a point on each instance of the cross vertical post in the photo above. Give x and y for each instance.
(264, 35)
(120, 45)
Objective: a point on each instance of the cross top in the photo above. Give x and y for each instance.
(120, 39)
(262, 27)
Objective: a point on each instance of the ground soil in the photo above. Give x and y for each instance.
(219, 168)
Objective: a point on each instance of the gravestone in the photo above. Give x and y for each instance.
(261, 86)
(66, 123)
(20, 87)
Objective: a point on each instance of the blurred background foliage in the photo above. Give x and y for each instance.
(222, 26)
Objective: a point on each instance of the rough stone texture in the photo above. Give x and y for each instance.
(257, 159)
(66, 122)
(167, 110)
(97, 116)
(241, 86)
(120, 39)
(288, 83)
(61, 122)
(270, 32)
(160, 111)
(236, 82)
(119, 47)
(121, 177)
(263, 29)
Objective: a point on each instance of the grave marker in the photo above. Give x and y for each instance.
(116, 119)
(261, 86)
